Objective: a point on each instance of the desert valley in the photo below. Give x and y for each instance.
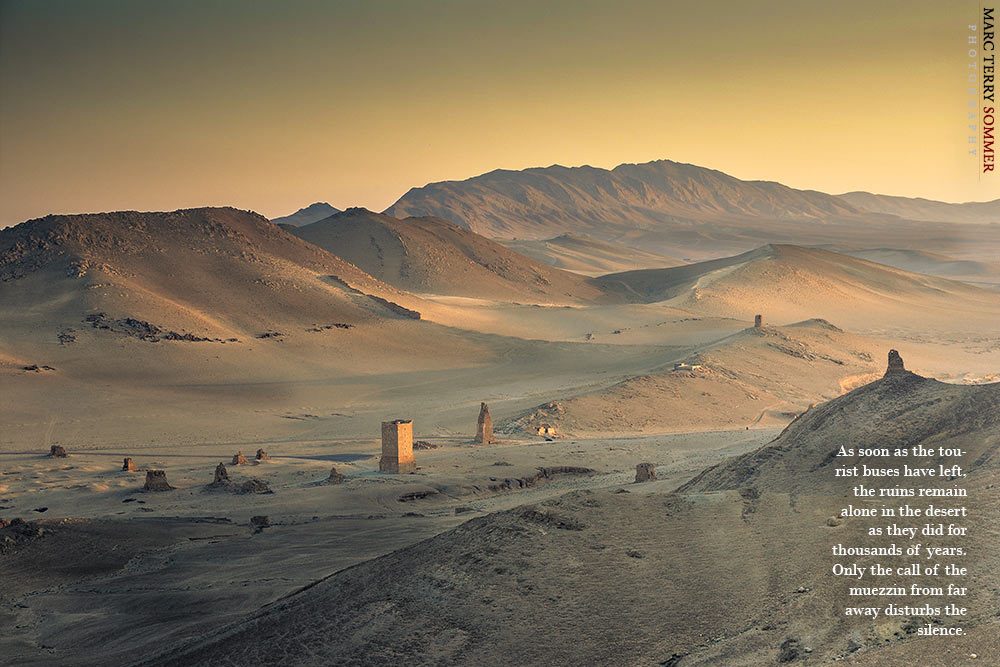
(724, 336)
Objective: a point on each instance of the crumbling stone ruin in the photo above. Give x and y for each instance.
(645, 472)
(484, 427)
(757, 321)
(895, 364)
(156, 480)
(239, 459)
(259, 523)
(335, 477)
(57, 452)
(252, 485)
(222, 481)
(129, 465)
(262, 455)
(397, 447)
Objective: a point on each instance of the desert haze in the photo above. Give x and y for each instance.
(195, 404)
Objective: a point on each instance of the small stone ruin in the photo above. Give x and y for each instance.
(129, 465)
(645, 472)
(156, 480)
(252, 485)
(239, 459)
(262, 455)
(484, 427)
(336, 477)
(221, 475)
(397, 447)
(757, 321)
(895, 365)
(57, 452)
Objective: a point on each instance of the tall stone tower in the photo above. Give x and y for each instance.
(484, 428)
(757, 321)
(895, 366)
(397, 447)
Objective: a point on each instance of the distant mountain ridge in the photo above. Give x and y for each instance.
(543, 202)
(925, 209)
(307, 215)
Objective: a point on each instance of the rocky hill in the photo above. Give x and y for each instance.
(430, 255)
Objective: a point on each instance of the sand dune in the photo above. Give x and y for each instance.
(589, 256)
(432, 255)
(790, 283)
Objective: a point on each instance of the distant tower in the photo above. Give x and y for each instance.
(484, 428)
(397, 447)
(757, 321)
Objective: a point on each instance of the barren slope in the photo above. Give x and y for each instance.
(898, 410)
(757, 377)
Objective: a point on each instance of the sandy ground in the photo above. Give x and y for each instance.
(192, 549)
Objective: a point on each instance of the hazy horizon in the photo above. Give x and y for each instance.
(120, 106)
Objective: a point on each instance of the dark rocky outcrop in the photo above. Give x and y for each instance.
(239, 459)
(336, 477)
(259, 523)
(128, 465)
(262, 455)
(57, 452)
(542, 474)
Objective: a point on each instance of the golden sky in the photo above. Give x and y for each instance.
(158, 105)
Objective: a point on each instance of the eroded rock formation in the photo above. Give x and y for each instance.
(221, 475)
(239, 459)
(335, 477)
(757, 321)
(262, 455)
(57, 452)
(128, 465)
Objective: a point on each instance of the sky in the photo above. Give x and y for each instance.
(270, 106)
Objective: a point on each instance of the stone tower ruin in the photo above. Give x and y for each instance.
(895, 364)
(484, 427)
(757, 321)
(397, 447)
